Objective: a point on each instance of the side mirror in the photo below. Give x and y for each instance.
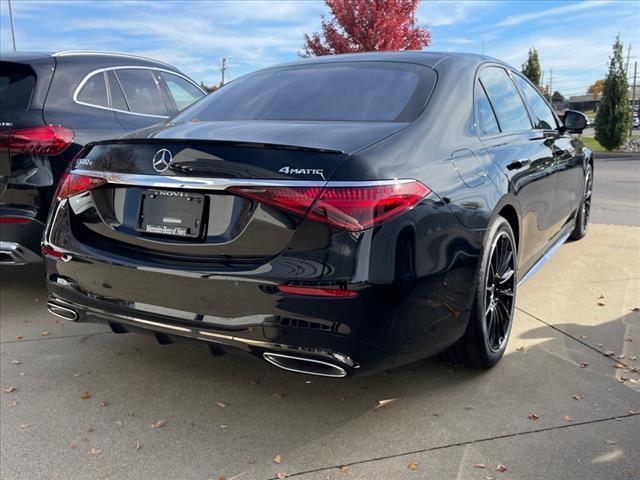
(574, 121)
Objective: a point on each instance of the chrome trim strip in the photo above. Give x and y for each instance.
(18, 254)
(544, 259)
(125, 67)
(52, 307)
(272, 359)
(203, 183)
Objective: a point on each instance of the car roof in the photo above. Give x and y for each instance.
(429, 58)
(90, 56)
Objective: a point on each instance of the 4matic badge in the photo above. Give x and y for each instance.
(302, 171)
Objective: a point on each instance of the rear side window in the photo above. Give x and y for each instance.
(141, 91)
(94, 91)
(507, 103)
(341, 91)
(117, 97)
(184, 93)
(544, 118)
(486, 118)
(17, 82)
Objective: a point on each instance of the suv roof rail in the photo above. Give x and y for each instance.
(71, 53)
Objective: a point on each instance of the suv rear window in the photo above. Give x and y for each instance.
(17, 82)
(354, 91)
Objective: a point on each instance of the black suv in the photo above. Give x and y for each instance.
(53, 104)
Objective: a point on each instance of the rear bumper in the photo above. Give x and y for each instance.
(20, 242)
(376, 330)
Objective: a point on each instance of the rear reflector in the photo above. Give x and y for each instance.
(350, 208)
(48, 251)
(46, 140)
(317, 291)
(15, 220)
(73, 184)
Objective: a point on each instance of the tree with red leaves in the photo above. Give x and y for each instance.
(368, 25)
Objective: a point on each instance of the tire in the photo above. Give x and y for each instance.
(484, 340)
(584, 211)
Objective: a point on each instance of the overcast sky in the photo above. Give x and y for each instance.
(573, 38)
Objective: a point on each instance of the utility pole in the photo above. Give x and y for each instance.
(223, 68)
(626, 70)
(550, 85)
(13, 32)
(633, 94)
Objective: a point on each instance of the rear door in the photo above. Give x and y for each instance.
(525, 155)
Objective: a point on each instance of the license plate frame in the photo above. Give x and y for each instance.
(168, 213)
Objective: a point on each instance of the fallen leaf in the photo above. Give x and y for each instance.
(45, 333)
(413, 466)
(611, 442)
(138, 446)
(344, 468)
(635, 309)
(19, 337)
(628, 339)
(95, 451)
(620, 357)
(281, 475)
(568, 418)
(609, 353)
(12, 403)
(618, 365)
(480, 465)
(602, 296)
(599, 345)
(16, 362)
(584, 365)
(24, 425)
(519, 348)
(221, 404)
(501, 468)
(632, 412)
(633, 357)
(533, 416)
(104, 403)
(85, 396)
(601, 303)
(277, 458)
(8, 389)
(158, 424)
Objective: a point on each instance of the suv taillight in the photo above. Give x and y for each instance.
(352, 208)
(73, 184)
(46, 140)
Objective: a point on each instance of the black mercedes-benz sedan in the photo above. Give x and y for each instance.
(332, 216)
(51, 105)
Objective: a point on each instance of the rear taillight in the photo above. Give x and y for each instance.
(73, 184)
(350, 208)
(46, 140)
(49, 251)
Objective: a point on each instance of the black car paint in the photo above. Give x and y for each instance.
(415, 274)
(52, 103)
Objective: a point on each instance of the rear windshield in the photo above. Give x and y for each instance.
(17, 82)
(354, 91)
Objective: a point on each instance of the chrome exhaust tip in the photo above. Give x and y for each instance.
(310, 366)
(62, 312)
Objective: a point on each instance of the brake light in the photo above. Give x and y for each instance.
(317, 291)
(73, 184)
(46, 140)
(352, 208)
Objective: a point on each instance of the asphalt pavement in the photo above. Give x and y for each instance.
(79, 402)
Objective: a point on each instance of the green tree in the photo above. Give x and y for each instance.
(613, 117)
(531, 68)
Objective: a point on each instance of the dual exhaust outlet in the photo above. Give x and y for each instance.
(292, 363)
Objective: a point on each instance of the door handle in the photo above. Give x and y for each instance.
(518, 164)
